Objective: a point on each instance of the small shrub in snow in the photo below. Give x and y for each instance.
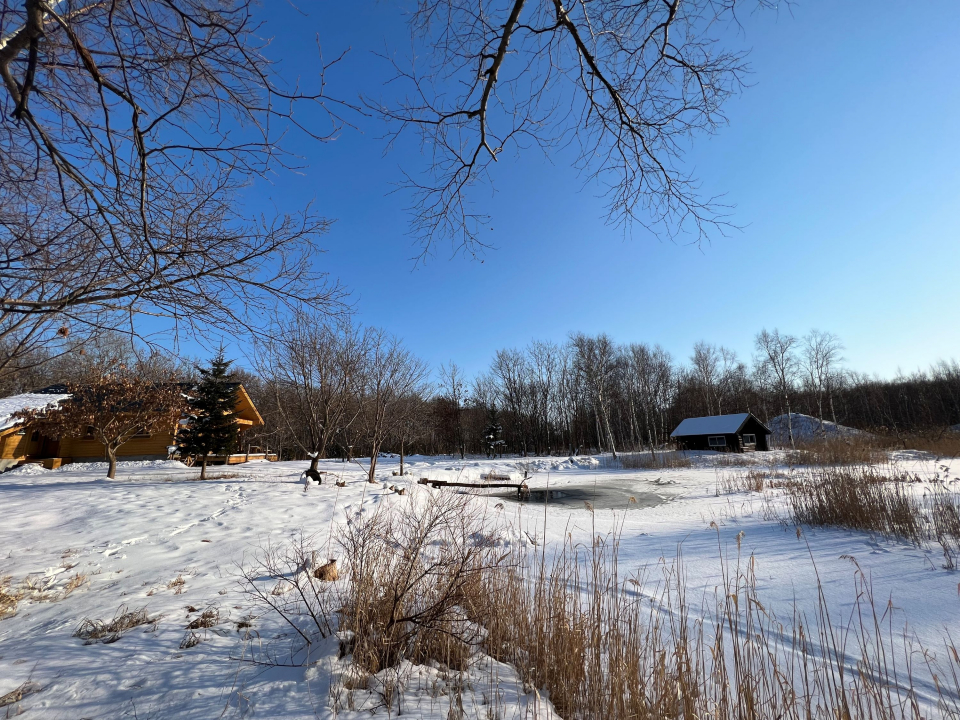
(109, 631)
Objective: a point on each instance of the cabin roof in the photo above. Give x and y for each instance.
(246, 411)
(25, 401)
(714, 425)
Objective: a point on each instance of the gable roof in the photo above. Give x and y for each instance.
(714, 425)
(25, 401)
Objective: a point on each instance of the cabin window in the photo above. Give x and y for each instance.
(749, 439)
(716, 441)
(89, 431)
(35, 436)
(141, 433)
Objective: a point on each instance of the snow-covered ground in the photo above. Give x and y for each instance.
(156, 538)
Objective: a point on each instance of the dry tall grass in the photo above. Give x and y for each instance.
(605, 646)
(646, 461)
(858, 450)
(109, 631)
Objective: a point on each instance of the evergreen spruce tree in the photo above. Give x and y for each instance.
(493, 434)
(213, 422)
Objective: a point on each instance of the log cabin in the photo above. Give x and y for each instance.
(21, 444)
(740, 432)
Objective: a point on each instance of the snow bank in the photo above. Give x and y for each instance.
(806, 427)
(28, 469)
(26, 401)
(124, 465)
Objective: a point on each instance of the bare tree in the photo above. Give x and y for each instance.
(706, 366)
(453, 388)
(315, 366)
(778, 353)
(625, 83)
(129, 130)
(821, 357)
(391, 376)
(595, 361)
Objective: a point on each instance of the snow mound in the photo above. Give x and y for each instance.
(26, 401)
(806, 427)
(550, 464)
(125, 465)
(28, 469)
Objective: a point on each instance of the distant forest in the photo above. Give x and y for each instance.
(338, 390)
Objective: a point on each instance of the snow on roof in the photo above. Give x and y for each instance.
(713, 425)
(26, 401)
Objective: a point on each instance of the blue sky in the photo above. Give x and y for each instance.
(841, 159)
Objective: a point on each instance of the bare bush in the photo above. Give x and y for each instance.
(282, 579)
(414, 578)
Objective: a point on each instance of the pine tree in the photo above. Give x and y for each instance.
(493, 434)
(213, 422)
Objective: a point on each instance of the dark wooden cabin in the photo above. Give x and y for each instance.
(741, 432)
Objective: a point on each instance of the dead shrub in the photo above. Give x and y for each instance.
(278, 577)
(178, 585)
(10, 597)
(190, 639)
(208, 619)
(943, 508)
(414, 578)
(942, 443)
(109, 631)
(19, 693)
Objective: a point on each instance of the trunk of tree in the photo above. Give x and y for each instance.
(112, 460)
(650, 433)
(793, 444)
(606, 420)
(820, 410)
(314, 461)
(373, 464)
(401, 458)
(203, 467)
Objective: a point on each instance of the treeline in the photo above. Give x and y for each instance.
(329, 388)
(323, 387)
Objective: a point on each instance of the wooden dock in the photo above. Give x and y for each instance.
(523, 490)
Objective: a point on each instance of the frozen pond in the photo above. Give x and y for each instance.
(601, 497)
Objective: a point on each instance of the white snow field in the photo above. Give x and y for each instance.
(156, 538)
